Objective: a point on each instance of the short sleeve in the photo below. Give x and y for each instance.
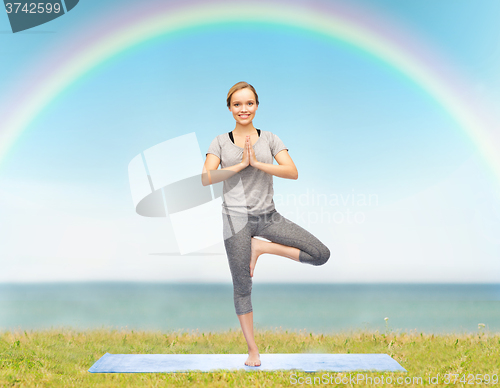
(215, 148)
(277, 145)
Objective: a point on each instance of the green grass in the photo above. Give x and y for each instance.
(61, 358)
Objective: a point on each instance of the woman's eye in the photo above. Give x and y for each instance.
(250, 103)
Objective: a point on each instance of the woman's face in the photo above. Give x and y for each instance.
(243, 106)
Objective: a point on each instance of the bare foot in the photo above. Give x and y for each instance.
(256, 252)
(253, 358)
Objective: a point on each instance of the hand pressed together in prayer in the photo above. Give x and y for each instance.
(249, 158)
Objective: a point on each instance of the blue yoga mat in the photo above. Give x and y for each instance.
(307, 362)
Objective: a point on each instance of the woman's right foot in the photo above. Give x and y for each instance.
(256, 246)
(253, 359)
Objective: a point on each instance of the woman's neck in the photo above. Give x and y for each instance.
(243, 130)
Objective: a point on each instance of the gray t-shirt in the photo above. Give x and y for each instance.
(249, 191)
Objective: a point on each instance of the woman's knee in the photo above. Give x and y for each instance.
(324, 255)
(243, 303)
(319, 257)
(243, 289)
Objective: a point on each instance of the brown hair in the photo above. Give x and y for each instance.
(238, 86)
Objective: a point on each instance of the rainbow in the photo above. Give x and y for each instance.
(348, 25)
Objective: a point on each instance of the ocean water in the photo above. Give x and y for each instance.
(318, 308)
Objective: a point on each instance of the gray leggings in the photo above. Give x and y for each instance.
(238, 232)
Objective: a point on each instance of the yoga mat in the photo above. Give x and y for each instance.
(307, 362)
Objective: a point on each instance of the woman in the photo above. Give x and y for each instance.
(246, 157)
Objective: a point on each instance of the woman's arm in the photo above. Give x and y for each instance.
(286, 168)
(212, 175)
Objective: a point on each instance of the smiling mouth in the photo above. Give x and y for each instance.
(244, 116)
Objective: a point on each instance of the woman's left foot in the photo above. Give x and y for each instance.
(253, 359)
(256, 252)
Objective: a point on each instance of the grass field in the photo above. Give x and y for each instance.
(61, 358)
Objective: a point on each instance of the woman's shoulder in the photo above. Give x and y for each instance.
(268, 135)
(222, 137)
(267, 132)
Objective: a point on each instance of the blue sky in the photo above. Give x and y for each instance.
(351, 123)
